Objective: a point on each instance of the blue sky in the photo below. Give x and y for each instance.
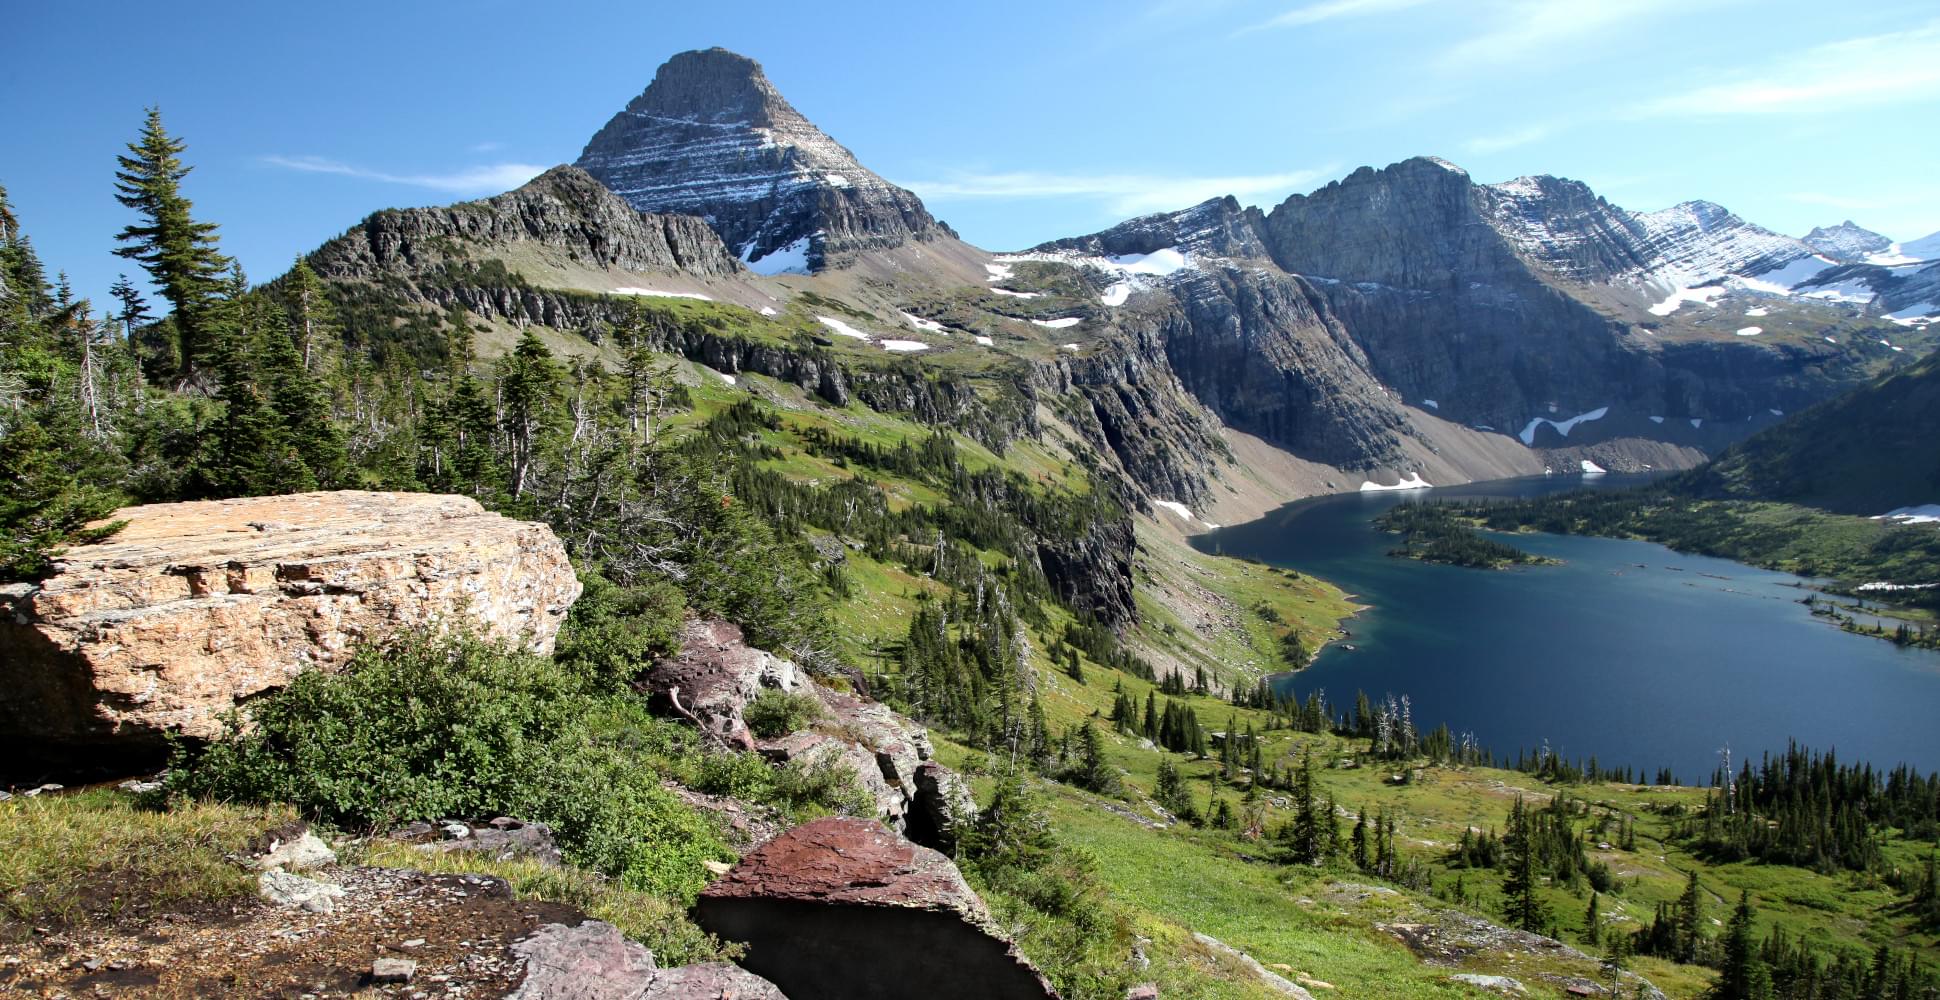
(1018, 122)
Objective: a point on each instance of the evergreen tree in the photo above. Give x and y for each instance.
(303, 411)
(1303, 838)
(1593, 922)
(247, 453)
(1524, 908)
(1094, 772)
(1170, 791)
(1039, 739)
(1689, 916)
(46, 503)
(1358, 840)
(134, 310)
(528, 380)
(312, 318)
(1743, 975)
(178, 252)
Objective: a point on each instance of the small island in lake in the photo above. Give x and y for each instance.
(1441, 534)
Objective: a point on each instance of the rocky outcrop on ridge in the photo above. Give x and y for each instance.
(193, 607)
(712, 137)
(895, 911)
(563, 217)
(1848, 242)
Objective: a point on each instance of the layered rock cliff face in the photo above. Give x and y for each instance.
(193, 607)
(563, 214)
(711, 137)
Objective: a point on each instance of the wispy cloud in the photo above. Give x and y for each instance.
(1523, 29)
(1122, 194)
(1332, 10)
(1486, 144)
(487, 179)
(489, 146)
(1895, 68)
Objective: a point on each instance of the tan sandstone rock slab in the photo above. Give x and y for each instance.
(195, 606)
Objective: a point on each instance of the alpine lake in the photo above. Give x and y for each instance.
(1628, 651)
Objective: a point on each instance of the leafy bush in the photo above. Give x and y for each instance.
(613, 631)
(439, 728)
(824, 783)
(775, 712)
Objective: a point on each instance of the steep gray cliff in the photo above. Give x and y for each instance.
(712, 137)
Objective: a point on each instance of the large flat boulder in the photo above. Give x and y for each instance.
(193, 607)
(847, 908)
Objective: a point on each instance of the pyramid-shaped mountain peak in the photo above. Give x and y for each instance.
(711, 136)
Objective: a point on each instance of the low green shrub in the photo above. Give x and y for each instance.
(436, 728)
(775, 712)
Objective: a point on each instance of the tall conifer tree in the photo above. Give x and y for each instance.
(178, 252)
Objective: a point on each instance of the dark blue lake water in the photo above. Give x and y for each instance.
(1652, 665)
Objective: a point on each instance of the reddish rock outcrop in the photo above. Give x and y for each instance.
(846, 908)
(715, 676)
(193, 607)
(594, 961)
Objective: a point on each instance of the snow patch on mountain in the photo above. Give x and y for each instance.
(1925, 248)
(658, 293)
(1701, 296)
(1563, 427)
(841, 328)
(925, 325)
(1132, 271)
(790, 259)
(1065, 323)
(1412, 481)
(1926, 513)
(1781, 280)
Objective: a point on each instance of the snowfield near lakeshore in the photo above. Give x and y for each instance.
(1413, 481)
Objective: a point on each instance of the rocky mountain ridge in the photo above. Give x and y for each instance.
(1848, 242)
(563, 214)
